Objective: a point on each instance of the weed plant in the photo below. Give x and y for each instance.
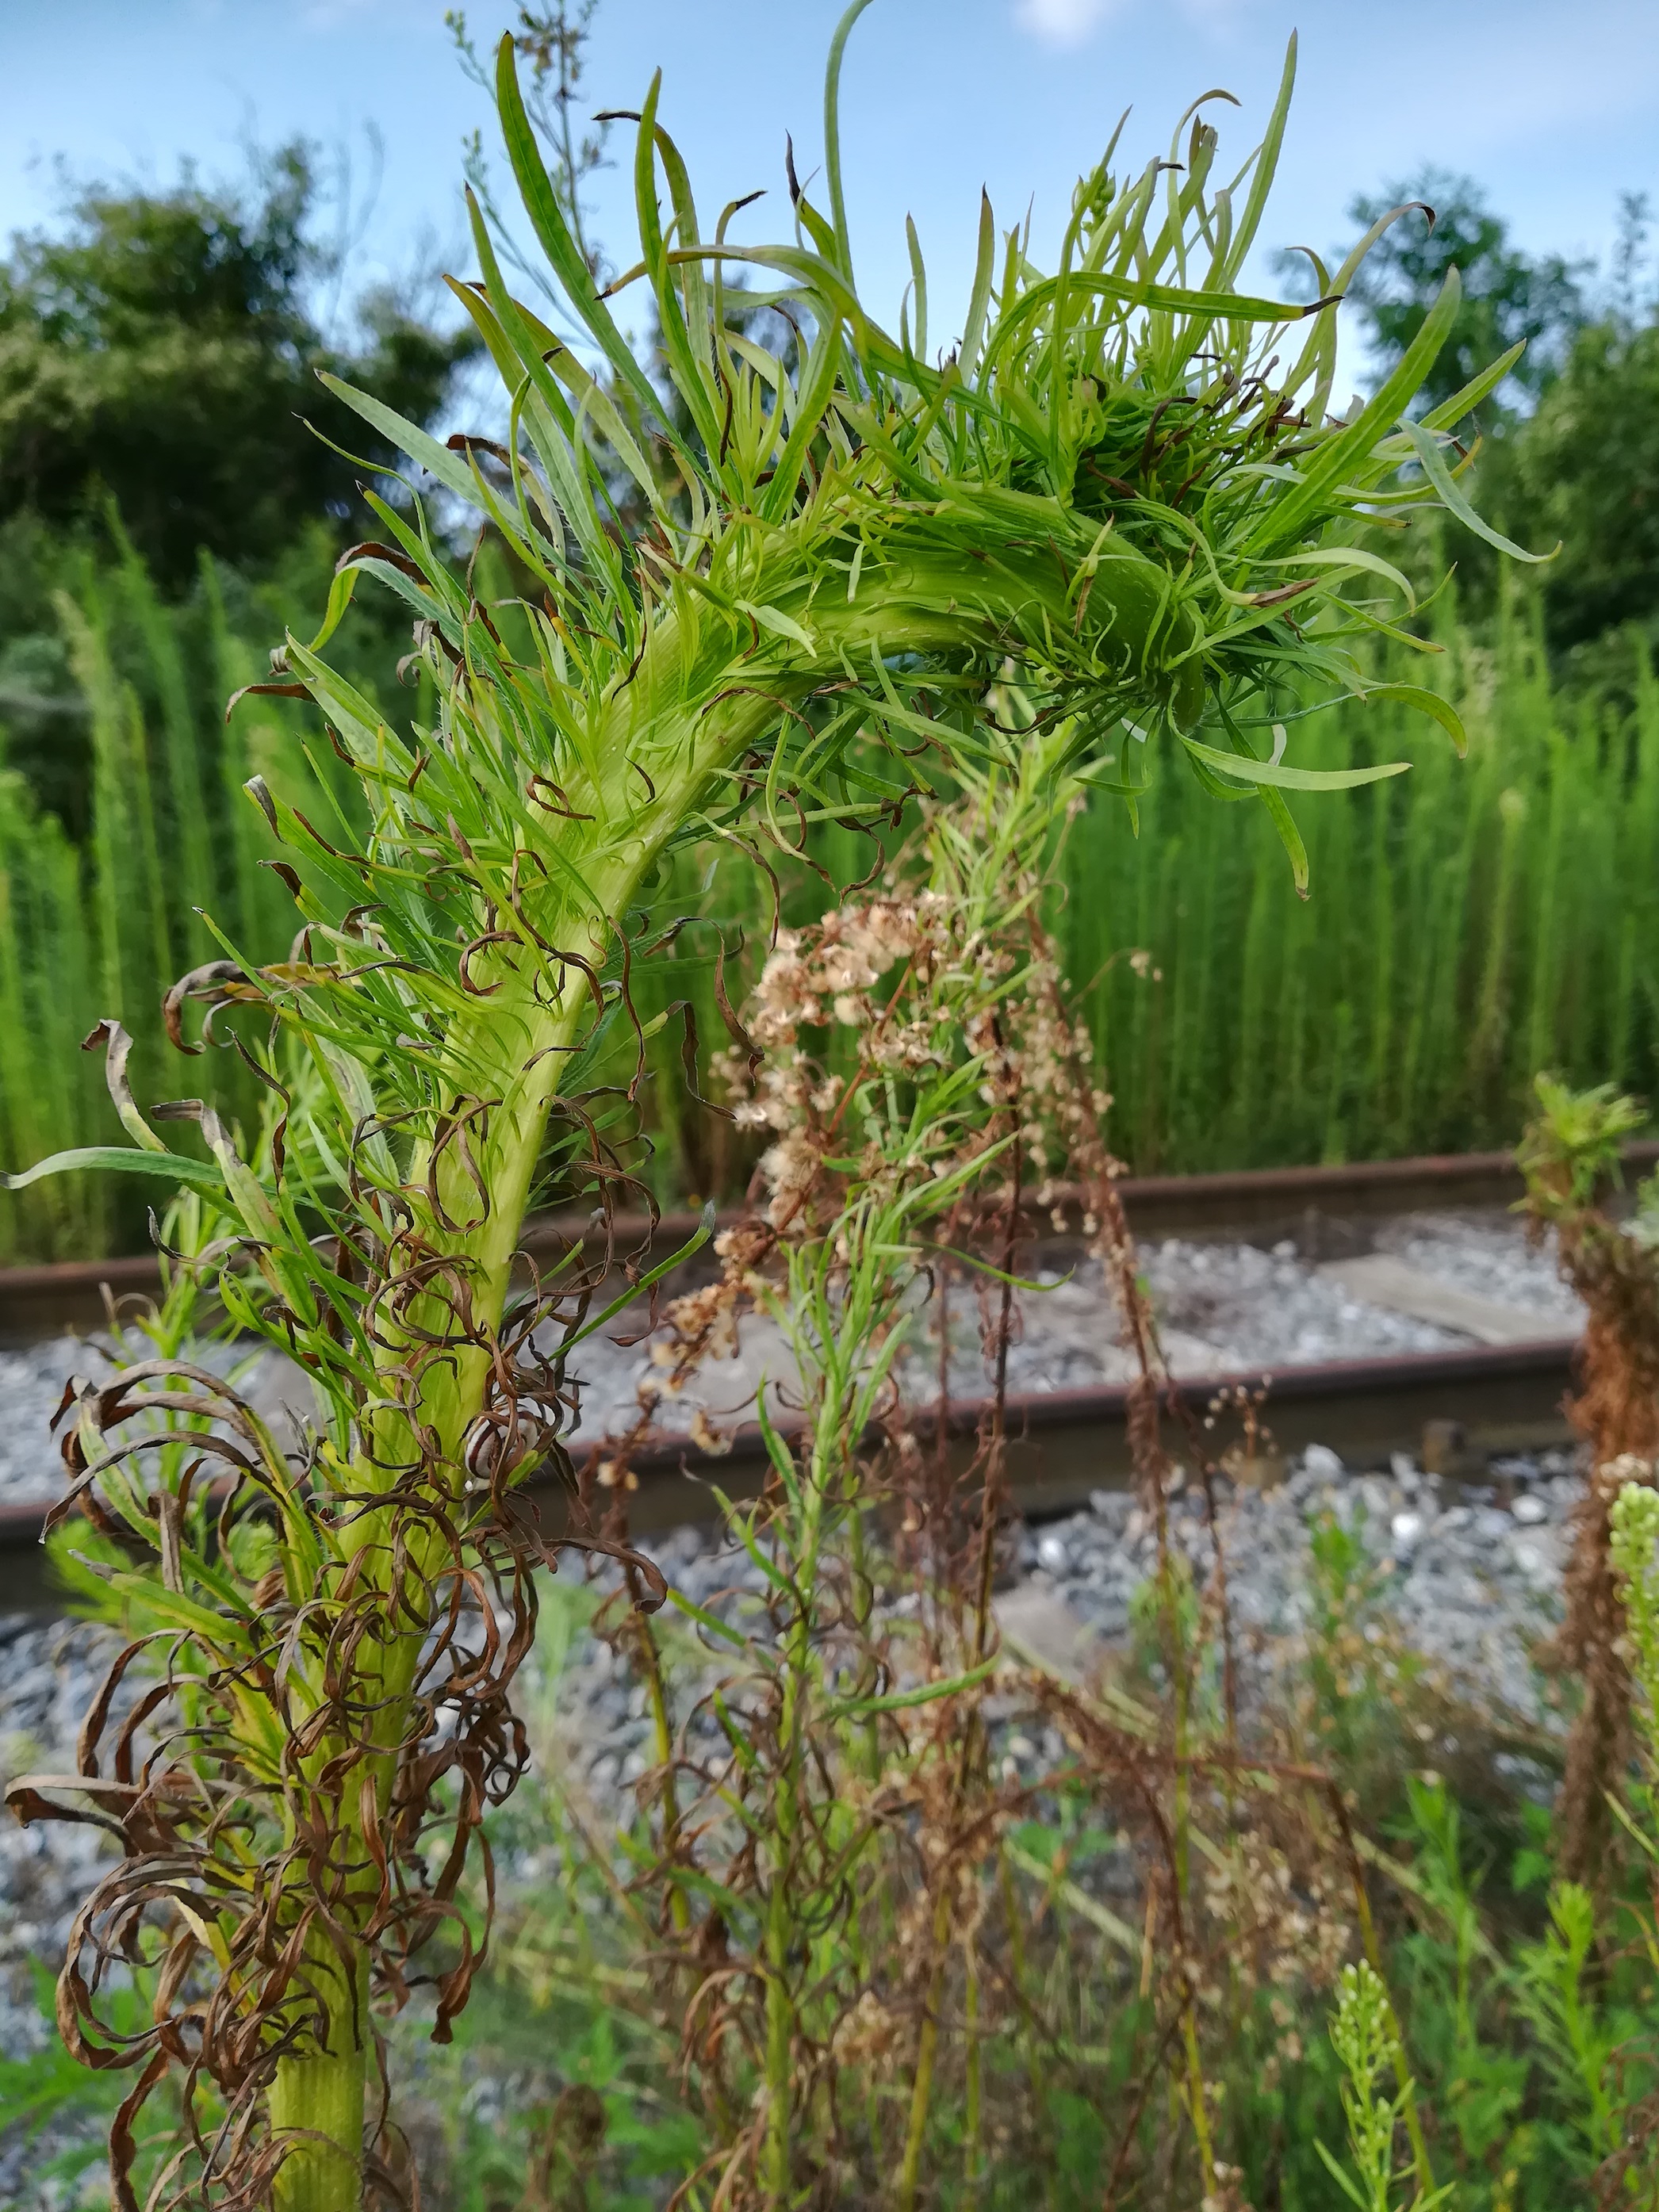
(99, 917)
(1111, 496)
(1571, 1160)
(1319, 1943)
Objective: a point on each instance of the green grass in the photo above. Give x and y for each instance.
(1467, 925)
(103, 927)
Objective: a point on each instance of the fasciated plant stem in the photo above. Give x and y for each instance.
(318, 2098)
(835, 552)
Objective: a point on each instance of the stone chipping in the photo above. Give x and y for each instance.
(1469, 1572)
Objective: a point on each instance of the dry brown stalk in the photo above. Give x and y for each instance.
(914, 1939)
(1570, 1158)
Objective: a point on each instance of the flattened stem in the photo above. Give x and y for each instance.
(320, 2099)
(938, 602)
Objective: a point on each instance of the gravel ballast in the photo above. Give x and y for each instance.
(1225, 1307)
(1470, 1575)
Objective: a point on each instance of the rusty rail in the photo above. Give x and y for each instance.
(1321, 1206)
(1065, 1444)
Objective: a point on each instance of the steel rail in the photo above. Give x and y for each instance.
(1455, 1409)
(1323, 1207)
(1457, 1406)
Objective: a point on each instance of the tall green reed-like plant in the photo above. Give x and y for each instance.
(49, 977)
(111, 922)
(1459, 915)
(1112, 488)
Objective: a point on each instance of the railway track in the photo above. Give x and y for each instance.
(1324, 1208)
(1453, 1408)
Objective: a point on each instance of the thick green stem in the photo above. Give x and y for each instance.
(320, 2096)
(933, 596)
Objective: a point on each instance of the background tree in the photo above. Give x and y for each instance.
(1561, 473)
(1587, 382)
(1508, 296)
(161, 349)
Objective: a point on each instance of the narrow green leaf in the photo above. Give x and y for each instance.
(899, 1701)
(1427, 703)
(547, 218)
(919, 278)
(817, 381)
(704, 1618)
(693, 378)
(120, 1159)
(1450, 412)
(1290, 779)
(780, 625)
(340, 593)
(1347, 450)
(979, 298)
(1352, 559)
(693, 1245)
(1340, 2177)
(450, 470)
(832, 135)
(1174, 299)
(1289, 836)
(1267, 162)
(1451, 496)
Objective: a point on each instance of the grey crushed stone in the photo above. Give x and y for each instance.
(1490, 1255)
(49, 1673)
(1223, 1307)
(1471, 1576)
(1468, 1575)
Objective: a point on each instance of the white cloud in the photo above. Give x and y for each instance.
(1062, 23)
(1068, 23)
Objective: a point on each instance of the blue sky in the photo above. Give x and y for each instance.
(1550, 105)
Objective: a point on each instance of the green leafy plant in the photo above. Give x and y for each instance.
(1570, 1158)
(1120, 488)
(1366, 2038)
(1479, 2081)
